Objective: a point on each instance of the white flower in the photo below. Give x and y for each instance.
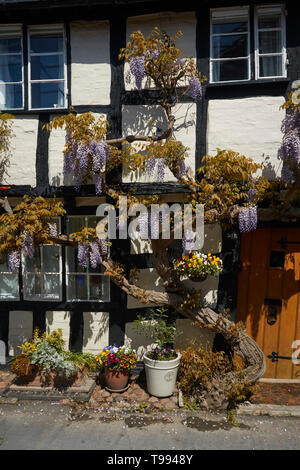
(126, 351)
(115, 350)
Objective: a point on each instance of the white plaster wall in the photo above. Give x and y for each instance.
(57, 141)
(140, 343)
(170, 22)
(23, 151)
(90, 55)
(19, 330)
(95, 331)
(212, 241)
(189, 334)
(140, 119)
(147, 279)
(56, 320)
(250, 126)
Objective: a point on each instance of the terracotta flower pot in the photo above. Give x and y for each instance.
(116, 380)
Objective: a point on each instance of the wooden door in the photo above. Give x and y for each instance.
(269, 295)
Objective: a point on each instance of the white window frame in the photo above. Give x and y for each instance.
(87, 274)
(47, 29)
(59, 273)
(10, 298)
(6, 31)
(280, 9)
(226, 12)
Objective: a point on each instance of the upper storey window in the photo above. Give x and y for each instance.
(46, 68)
(11, 67)
(230, 51)
(236, 55)
(44, 57)
(270, 42)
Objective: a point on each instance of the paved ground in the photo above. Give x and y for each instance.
(277, 394)
(50, 426)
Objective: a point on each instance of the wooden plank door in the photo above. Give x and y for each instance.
(269, 295)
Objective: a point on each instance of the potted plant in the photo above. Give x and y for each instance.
(117, 363)
(44, 362)
(198, 266)
(162, 361)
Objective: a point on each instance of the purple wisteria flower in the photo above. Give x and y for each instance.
(98, 151)
(160, 170)
(13, 260)
(247, 219)
(27, 245)
(150, 166)
(137, 68)
(98, 183)
(180, 171)
(103, 247)
(95, 256)
(53, 230)
(195, 88)
(82, 254)
(291, 122)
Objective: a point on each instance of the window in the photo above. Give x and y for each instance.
(84, 284)
(230, 51)
(230, 44)
(270, 44)
(9, 283)
(42, 278)
(11, 67)
(44, 87)
(46, 69)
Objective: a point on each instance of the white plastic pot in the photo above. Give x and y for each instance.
(161, 376)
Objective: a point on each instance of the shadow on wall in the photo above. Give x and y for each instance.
(269, 172)
(96, 329)
(145, 120)
(137, 341)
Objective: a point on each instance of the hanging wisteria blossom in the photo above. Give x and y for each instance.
(160, 170)
(27, 245)
(195, 88)
(82, 254)
(95, 256)
(150, 166)
(247, 219)
(53, 230)
(291, 122)
(99, 154)
(103, 247)
(180, 171)
(137, 68)
(13, 260)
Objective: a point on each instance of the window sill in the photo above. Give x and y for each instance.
(35, 111)
(260, 81)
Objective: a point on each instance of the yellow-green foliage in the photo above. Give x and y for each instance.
(199, 366)
(32, 215)
(225, 179)
(167, 67)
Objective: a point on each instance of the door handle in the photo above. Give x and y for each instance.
(273, 306)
